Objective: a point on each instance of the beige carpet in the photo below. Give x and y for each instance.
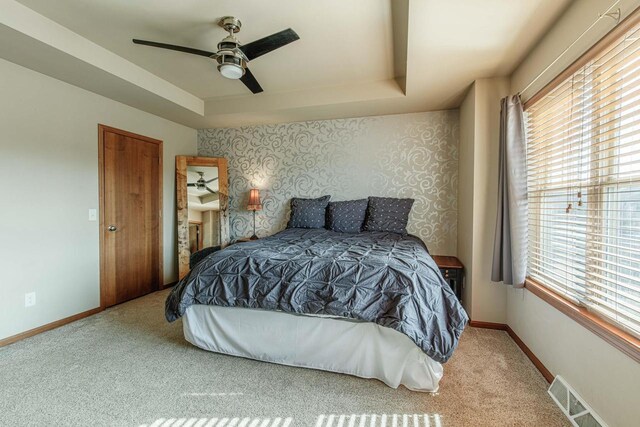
(127, 366)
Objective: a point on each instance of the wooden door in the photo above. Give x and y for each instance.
(130, 215)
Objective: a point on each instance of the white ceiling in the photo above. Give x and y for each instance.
(354, 58)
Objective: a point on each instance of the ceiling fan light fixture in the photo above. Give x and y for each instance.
(231, 71)
(232, 56)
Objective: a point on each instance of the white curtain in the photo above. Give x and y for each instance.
(510, 244)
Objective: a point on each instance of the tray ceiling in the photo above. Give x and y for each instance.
(354, 58)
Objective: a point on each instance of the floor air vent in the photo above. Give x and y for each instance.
(572, 405)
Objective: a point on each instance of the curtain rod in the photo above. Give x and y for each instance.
(607, 14)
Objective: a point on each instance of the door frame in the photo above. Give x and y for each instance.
(102, 129)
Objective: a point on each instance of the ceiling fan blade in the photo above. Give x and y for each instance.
(250, 81)
(174, 47)
(210, 190)
(191, 185)
(267, 44)
(211, 180)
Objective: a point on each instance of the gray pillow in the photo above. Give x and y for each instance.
(308, 213)
(388, 214)
(348, 216)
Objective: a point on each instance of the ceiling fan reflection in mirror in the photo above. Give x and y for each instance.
(232, 56)
(201, 184)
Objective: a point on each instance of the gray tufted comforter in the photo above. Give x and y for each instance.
(376, 277)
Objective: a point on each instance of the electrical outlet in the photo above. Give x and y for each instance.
(30, 299)
(93, 215)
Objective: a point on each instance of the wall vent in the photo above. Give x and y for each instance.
(572, 405)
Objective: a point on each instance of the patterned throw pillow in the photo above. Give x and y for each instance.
(348, 216)
(308, 213)
(388, 214)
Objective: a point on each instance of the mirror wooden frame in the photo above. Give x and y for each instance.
(182, 162)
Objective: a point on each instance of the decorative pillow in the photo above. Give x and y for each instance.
(388, 214)
(348, 216)
(308, 213)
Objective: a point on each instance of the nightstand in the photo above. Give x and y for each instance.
(453, 272)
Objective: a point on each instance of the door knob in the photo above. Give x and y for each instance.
(112, 228)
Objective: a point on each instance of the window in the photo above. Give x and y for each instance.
(583, 161)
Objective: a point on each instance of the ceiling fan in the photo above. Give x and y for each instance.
(201, 184)
(232, 57)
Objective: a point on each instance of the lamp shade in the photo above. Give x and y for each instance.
(254, 200)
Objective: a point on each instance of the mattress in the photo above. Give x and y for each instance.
(363, 349)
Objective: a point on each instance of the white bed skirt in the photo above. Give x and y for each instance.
(332, 344)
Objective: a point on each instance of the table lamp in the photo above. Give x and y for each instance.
(254, 205)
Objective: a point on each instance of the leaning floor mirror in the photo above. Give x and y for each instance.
(202, 200)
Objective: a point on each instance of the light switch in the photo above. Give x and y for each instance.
(93, 215)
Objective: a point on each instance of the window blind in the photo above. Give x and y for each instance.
(583, 162)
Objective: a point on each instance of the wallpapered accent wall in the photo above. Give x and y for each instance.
(407, 155)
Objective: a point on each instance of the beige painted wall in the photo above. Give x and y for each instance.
(48, 161)
(465, 193)
(605, 377)
(489, 298)
(479, 124)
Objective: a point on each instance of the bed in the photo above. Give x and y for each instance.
(370, 304)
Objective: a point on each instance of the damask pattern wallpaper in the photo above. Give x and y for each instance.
(407, 155)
